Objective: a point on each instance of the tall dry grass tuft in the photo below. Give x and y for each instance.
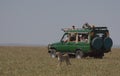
(35, 61)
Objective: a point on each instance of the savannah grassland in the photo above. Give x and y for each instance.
(35, 61)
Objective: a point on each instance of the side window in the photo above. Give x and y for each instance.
(70, 37)
(73, 37)
(82, 37)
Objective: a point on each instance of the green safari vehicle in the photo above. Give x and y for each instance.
(83, 42)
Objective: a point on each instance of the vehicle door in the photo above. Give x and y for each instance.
(63, 47)
(68, 42)
(83, 42)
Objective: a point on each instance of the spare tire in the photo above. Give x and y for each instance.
(108, 43)
(97, 43)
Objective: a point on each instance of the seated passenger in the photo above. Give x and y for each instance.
(72, 38)
(83, 38)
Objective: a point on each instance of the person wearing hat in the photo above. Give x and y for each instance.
(73, 27)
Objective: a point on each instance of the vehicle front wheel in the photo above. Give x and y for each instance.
(53, 53)
(79, 54)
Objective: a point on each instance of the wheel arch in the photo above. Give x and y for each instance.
(78, 49)
(49, 51)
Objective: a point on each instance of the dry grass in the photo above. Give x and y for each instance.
(35, 61)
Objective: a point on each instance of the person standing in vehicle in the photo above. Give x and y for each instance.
(73, 27)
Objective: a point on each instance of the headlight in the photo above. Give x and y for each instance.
(49, 46)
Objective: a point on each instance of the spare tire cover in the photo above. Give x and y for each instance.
(108, 43)
(97, 43)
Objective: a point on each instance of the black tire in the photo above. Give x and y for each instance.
(53, 53)
(99, 56)
(79, 54)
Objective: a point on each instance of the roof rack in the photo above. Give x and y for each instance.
(100, 28)
(83, 29)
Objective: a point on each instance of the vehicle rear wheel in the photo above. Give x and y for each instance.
(79, 54)
(53, 53)
(99, 55)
